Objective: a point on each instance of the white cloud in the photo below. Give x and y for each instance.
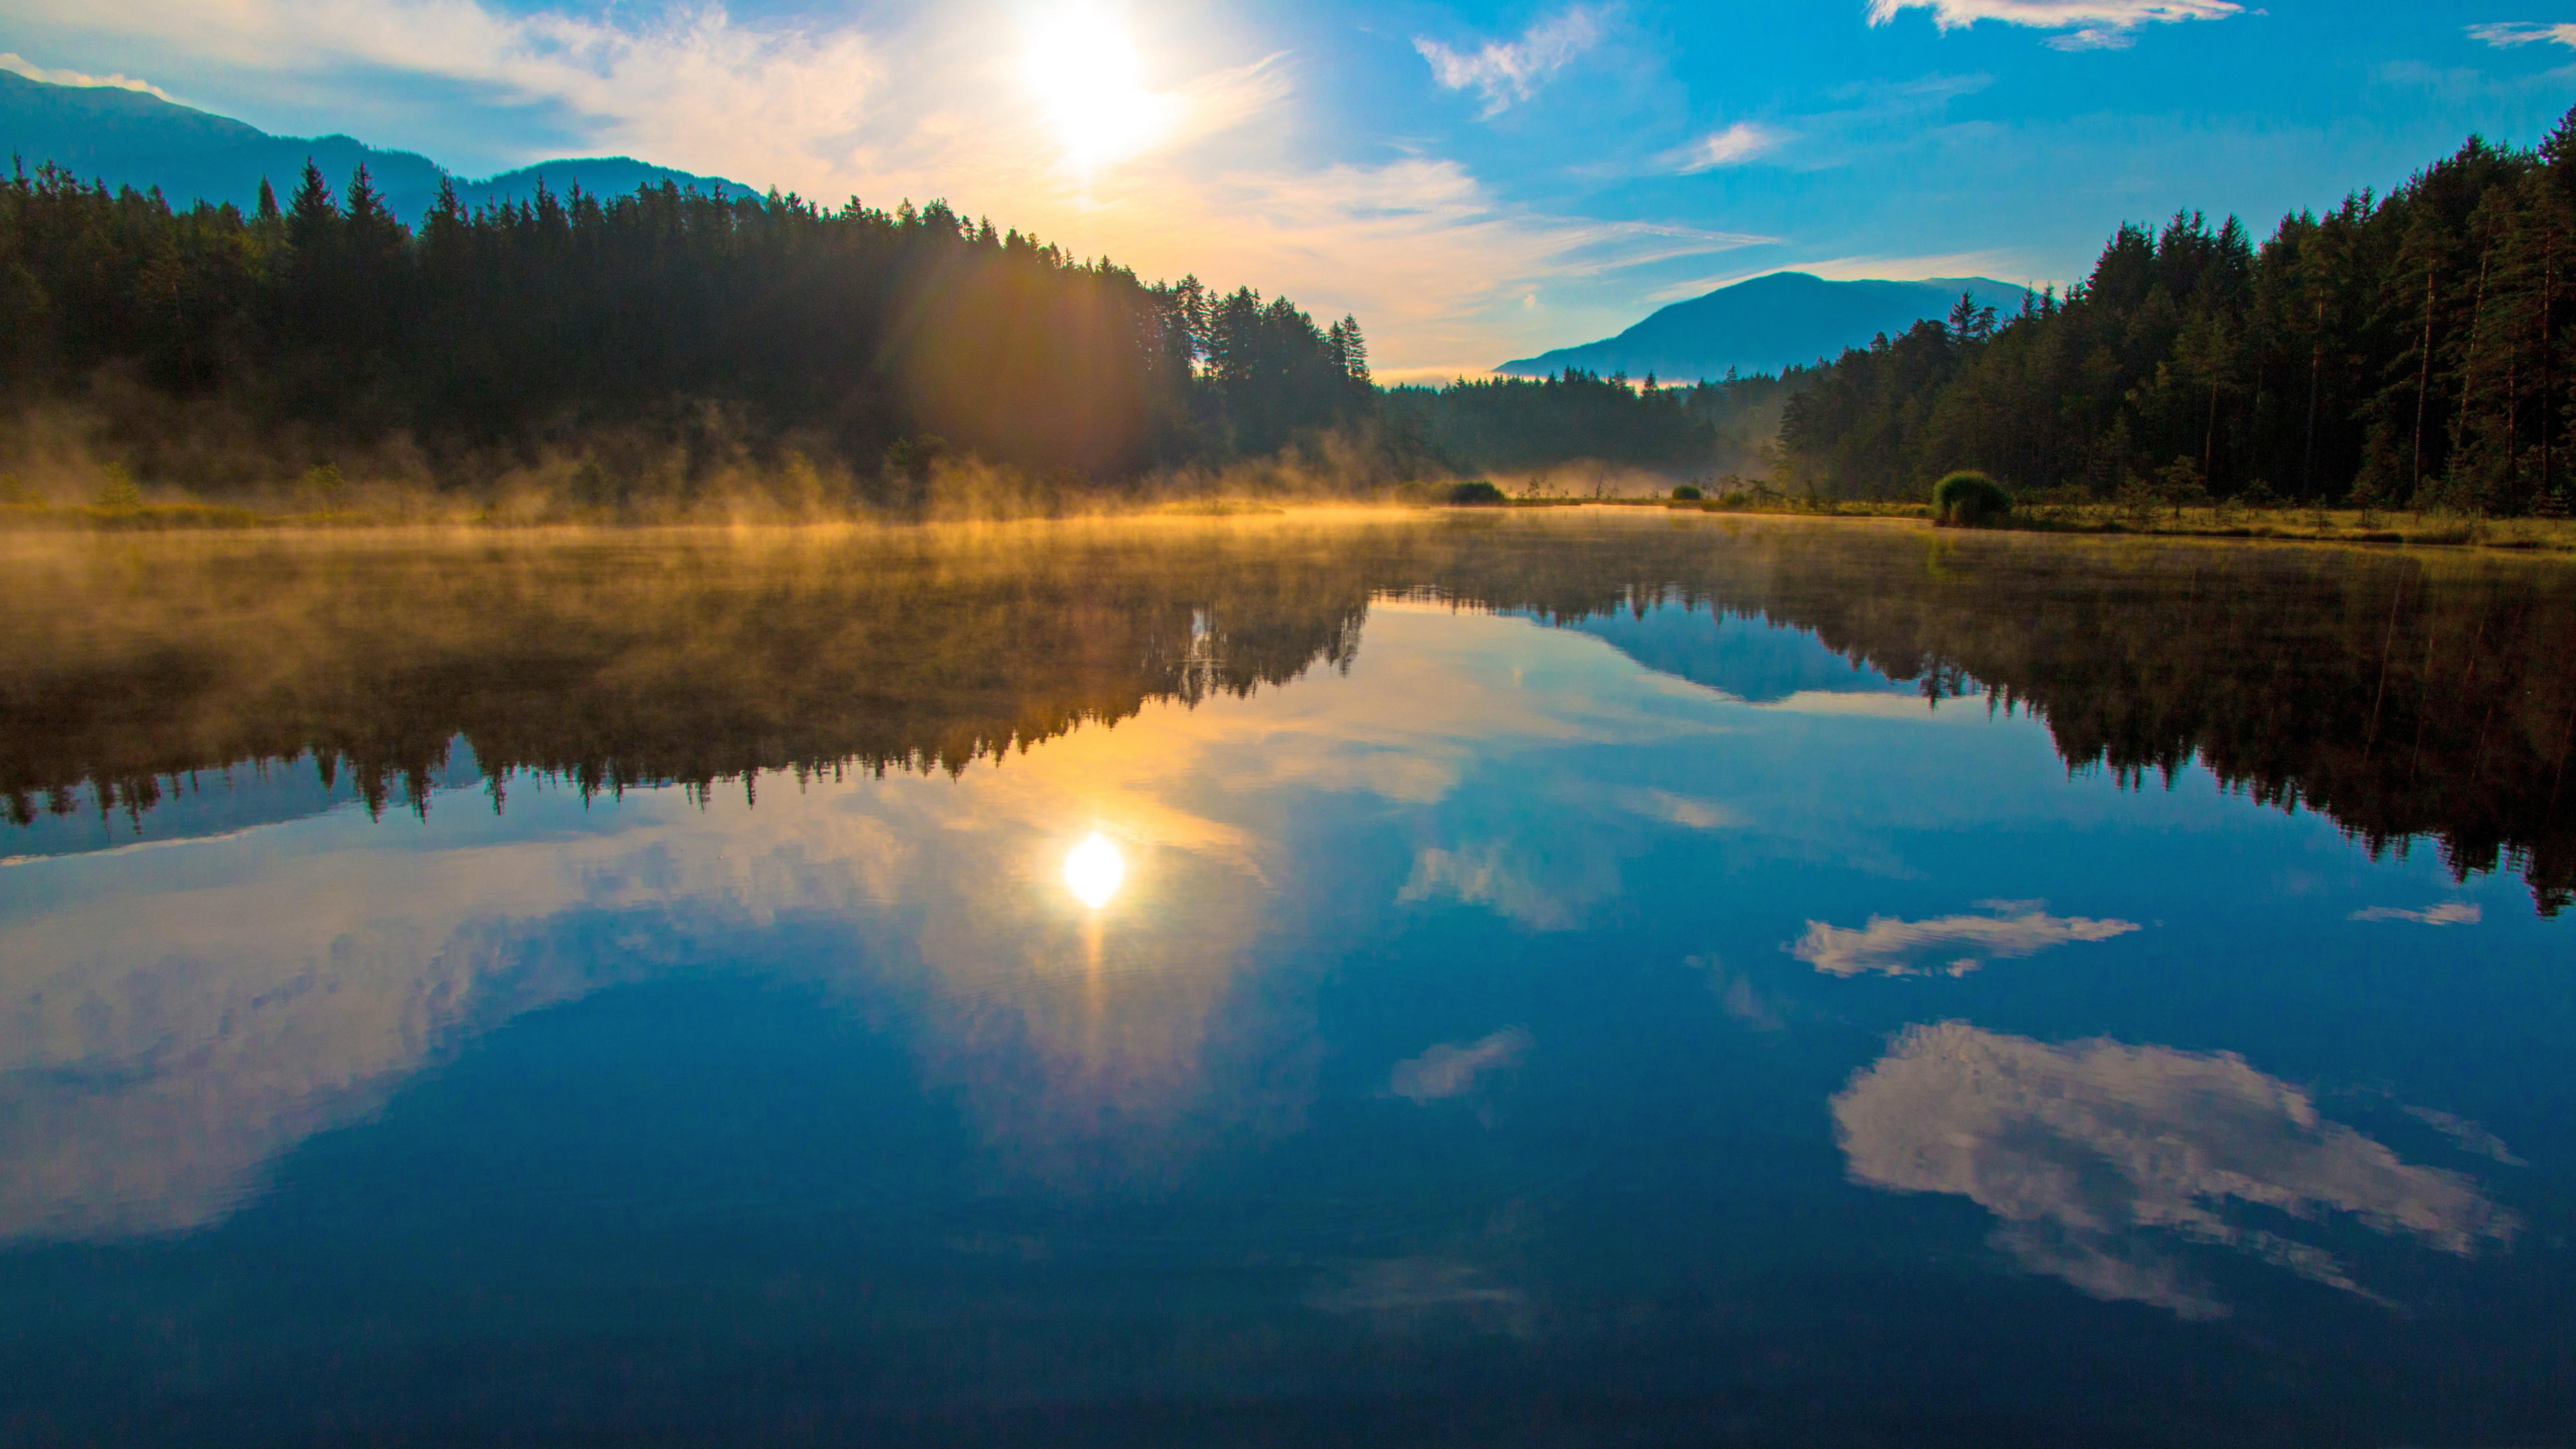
(1686, 811)
(2089, 24)
(1405, 1294)
(1913, 269)
(1910, 948)
(2086, 1152)
(1486, 876)
(1450, 1070)
(1733, 146)
(1418, 247)
(1508, 71)
(2000, 265)
(2469, 1135)
(2504, 35)
(2448, 913)
(20, 65)
(693, 88)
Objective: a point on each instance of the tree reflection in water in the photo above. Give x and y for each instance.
(2405, 696)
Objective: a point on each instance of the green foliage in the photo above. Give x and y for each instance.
(1515, 422)
(322, 484)
(702, 325)
(117, 490)
(1688, 493)
(1967, 498)
(2406, 348)
(1475, 492)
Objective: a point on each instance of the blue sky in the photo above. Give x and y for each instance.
(1475, 181)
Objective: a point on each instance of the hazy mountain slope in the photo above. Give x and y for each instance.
(128, 138)
(1765, 324)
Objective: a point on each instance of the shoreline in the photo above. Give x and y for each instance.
(2349, 527)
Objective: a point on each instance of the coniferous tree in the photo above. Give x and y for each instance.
(2411, 348)
(679, 321)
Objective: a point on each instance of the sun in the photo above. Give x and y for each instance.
(1094, 870)
(1088, 77)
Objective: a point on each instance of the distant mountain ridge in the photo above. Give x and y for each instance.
(1784, 319)
(130, 138)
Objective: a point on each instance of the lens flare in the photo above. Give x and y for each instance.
(1094, 870)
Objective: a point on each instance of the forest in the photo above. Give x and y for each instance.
(650, 349)
(658, 338)
(1525, 425)
(2397, 351)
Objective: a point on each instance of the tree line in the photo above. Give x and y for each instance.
(2397, 351)
(1512, 423)
(884, 340)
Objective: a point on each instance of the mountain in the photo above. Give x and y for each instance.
(129, 138)
(1763, 325)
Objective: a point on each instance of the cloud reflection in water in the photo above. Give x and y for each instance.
(2084, 1151)
(1900, 948)
(1451, 1071)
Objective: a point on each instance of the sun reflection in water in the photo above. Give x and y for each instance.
(1094, 870)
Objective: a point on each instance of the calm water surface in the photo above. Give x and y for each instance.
(1534, 980)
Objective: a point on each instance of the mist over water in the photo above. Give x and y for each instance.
(1525, 979)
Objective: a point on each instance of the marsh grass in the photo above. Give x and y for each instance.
(2427, 528)
(24, 509)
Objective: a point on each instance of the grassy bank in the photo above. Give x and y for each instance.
(2314, 525)
(2302, 525)
(2298, 525)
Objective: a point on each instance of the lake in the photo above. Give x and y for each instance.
(1570, 978)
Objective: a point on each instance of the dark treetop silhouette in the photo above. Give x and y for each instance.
(2398, 350)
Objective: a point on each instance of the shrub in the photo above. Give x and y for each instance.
(322, 484)
(1687, 493)
(118, 491)
(1965, 499)
(1474, 492)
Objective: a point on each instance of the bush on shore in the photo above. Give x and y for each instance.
(1967, 498)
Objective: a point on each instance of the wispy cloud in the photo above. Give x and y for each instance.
(2087, 24)
(2504, 35)
(2095, 1155)
(20, 65)
(1505, 71)
(1953, 944)
(693, 88)
(1507, 884)
(1688, 812)
(1732, 146)
(1450, 1070)
(1999, 265)
(1404, 1294)
(1913, 269)
(1418, 246)
(2448, 913)
(2469, 1135)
